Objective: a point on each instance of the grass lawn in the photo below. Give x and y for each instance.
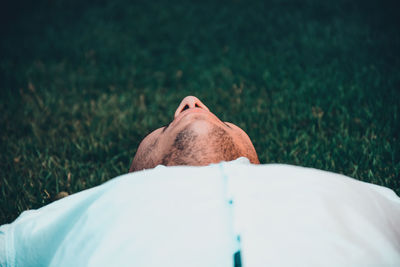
(314, 83)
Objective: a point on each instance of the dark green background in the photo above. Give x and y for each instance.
(314, 83)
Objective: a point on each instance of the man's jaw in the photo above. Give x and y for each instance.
(186, 114)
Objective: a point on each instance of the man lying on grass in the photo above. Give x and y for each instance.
(221, 209)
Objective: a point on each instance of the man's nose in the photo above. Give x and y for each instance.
(189, 102)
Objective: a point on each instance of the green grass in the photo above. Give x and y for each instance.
(314, 83)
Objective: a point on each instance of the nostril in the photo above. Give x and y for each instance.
(188, 103)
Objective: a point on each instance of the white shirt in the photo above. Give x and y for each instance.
(276, 215)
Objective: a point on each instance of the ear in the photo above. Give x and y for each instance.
(135, 164)
(132, 168)
(255, 160)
